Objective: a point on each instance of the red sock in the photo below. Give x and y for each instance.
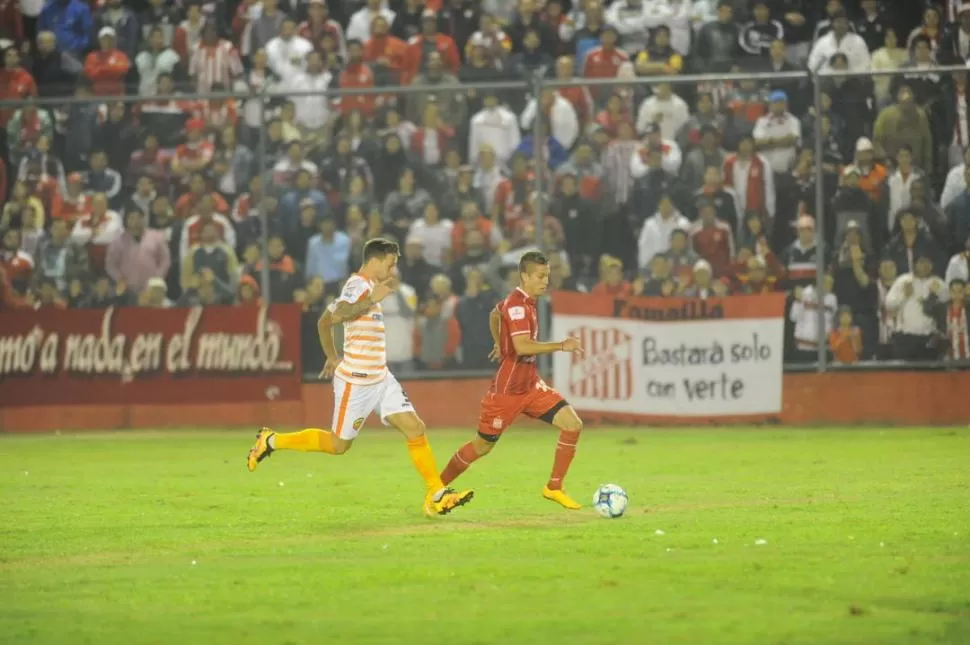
(565, 451)
(459, 463)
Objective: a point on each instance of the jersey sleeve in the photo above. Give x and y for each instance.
(354, 289)
(516, 319)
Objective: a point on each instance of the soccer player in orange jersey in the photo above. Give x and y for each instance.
(517, 388)
(361, 381)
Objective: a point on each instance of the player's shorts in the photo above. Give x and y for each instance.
(354, 403)
(498, 411)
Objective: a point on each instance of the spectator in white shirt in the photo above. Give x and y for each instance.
(655, 235)
(914, 328)
(778, 134)
(666, 109)
(496, 127)
(959, 266)
(672, 156)
(900, 183)
(434, 234)
(560, 117)
(360, 23)
(633, 20)
(287, 53)
(312, 112)
(804, 315)
(956, 181)
(840, 39)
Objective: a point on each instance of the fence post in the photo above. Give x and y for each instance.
(263, 219)
(819, 224)
(538, 155)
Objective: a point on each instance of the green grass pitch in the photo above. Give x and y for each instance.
(164, 537)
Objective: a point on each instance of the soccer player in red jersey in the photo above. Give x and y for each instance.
(517, 388)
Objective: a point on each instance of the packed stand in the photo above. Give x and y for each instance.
(647, 188)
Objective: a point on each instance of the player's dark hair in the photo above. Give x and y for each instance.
(531, 259)
(380, 247)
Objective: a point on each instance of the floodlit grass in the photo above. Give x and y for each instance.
(164, 537)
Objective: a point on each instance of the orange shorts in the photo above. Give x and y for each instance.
(499, 411)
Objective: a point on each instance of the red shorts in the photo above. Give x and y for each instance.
(499, 411)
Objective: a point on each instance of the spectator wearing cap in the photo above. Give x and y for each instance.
(107, 66)
(800, 258)
(655, 234)
(804, 316)
(711, 238)
(139, 254)
(750, 175)
(666, 109)
(328, 254)
(716, 45)
(778, 134)
(840, 39)
(908, 299)
(872, 175)
(912, 242)
(904, 124)
(359, 27)
(703, 285)
(125, 24)
(155, 295)
(758, 34)
(852, 204)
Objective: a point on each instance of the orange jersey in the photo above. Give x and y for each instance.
(365, 349)
(846, 345)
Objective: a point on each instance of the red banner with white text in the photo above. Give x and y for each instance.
(142, 355)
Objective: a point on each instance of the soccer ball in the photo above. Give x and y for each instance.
(610, 501)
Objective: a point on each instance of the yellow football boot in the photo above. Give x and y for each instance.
(261, 449)
(561, 498)
(445, 501)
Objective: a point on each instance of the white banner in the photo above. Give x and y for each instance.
(690, 368)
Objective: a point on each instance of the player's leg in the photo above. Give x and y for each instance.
(352, 404)
(496, 413)
(397, 411)
(549, 406)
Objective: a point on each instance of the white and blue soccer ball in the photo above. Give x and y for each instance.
(610, 501)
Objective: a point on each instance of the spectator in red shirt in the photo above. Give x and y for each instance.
(16, 264)
(578, 95)
(197, 190)
(319, 24)
(16, 83)
(108, 66)
(711, 238)
(604, 61)
(386, 54)
(472, 219)
(195, 155)
(429, 40)
(356, 74)
(612, 282)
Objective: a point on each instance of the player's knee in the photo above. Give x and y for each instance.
(482, 446)
(413, 427)
(572, 423)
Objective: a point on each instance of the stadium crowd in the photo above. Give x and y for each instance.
(649, 188)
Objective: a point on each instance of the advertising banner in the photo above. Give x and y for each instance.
(671, 357)
(142, 355)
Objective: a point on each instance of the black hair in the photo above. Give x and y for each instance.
(380, 247)
(532, 258)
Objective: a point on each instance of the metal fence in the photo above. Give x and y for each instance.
(263, 106)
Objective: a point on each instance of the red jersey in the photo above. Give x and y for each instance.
(516, 374)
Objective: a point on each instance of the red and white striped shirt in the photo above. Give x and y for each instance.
(218, 64)
(617, 167)
(956, 331)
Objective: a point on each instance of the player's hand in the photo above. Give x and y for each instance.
(383, 289)
(328, 369)
(495, 354)
(572, 346)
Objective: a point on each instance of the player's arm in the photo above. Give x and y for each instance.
(344, 311)
(525, 346)
(325, 331)
(495, 325)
